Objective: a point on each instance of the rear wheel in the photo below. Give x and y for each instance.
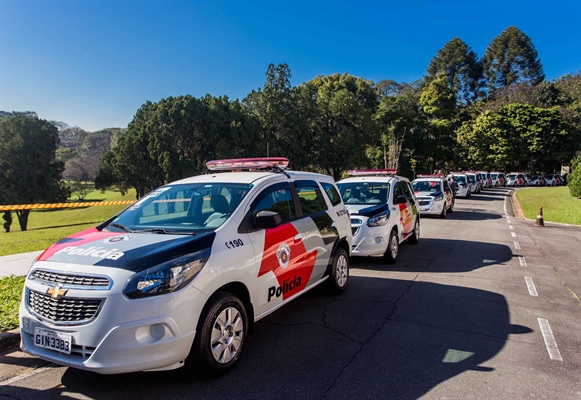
(444, 211)
(415, 237)
(391, 253)
(220, 336)
(451, 210)
(337, 282)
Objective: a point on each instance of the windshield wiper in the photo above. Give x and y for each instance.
(116, 225)
(165, 232)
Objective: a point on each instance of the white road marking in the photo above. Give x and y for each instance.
(24, 376)
(531, 286)
(523, 262)
(510, 227)
(513, 234)
(504, 205)
(517, 245)
(508, 220)
(550, 342)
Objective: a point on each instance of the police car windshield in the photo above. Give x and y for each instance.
(427, 186)
(511, 176)
(182, 209)
(364, 192)
(461, 178)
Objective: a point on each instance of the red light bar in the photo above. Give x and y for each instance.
(429, 176)
(247, 164)
(371, 172)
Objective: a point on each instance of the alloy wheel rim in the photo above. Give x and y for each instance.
(417, 232)
(342, 271)
(394, 247)
(227, 335)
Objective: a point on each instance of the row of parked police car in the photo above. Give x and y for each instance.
(181, 276)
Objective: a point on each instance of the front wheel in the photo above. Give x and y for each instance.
(391, 253)
(220, 336)
(444, 210)
(451, 210)
(337, 281)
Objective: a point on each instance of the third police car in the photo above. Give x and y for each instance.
(384, 212)
(434, 194)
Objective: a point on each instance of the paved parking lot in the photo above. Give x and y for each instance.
(485, 306)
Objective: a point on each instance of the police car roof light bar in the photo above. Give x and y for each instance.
(429, 176)
(248, 164)
(372, 172)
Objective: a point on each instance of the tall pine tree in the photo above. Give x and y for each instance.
(511, 58)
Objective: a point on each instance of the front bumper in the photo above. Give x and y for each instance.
(430, 206)
(463, 192)
(154, 333)
(368, 241)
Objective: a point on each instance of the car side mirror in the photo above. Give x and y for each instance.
(401, 199)
(267, 219)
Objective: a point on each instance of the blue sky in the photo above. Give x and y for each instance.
(94, 63)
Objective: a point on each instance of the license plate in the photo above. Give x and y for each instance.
(424, 208)
(48, 339)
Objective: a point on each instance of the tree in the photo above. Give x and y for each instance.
(519, 136)
(511, 58)
(343, 125)
(574, 178)
(29, 172)
(463, 71)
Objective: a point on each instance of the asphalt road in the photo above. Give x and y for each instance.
(456, 317)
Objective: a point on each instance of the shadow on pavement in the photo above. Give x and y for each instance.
(383, 338)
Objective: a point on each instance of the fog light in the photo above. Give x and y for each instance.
(378, 240)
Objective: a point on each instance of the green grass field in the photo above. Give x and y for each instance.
(558, 204)
(10, 295)
(46, 227)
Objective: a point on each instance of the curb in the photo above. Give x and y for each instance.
(9, 339)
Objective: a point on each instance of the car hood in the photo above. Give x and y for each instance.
(365, 210)
(428, 194)
(129, 251)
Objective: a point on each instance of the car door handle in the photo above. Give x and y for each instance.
(298, 238)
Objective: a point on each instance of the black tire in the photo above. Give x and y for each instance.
(451, 209)
(444, 211)
(232, 313)
(339, 276)
(415, 237)
(390, 255)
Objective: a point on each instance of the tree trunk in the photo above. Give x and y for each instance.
(22, 218)
(8, 218)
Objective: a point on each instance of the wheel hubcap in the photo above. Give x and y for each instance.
(227, 335)
(341, 270)
(394, 247)
(417, 233)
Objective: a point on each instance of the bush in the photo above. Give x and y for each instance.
(574, 178)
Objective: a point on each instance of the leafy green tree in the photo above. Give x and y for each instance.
(511, 58)
(518, 136)
(29, 172)
(462, 69)
(574, 178)
(343, 125)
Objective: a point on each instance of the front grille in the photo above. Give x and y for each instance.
(69, 279)
(424, 203)
(63, 309)
(354, 230)
(356, 221)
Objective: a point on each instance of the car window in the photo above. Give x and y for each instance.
(426, 186)
(397, 191)
(276, 198)
(446, 186)
(364, 192)
(183, 208)
(310, 197)
(332, 193)
(408, 191)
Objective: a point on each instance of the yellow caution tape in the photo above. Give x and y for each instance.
(63, 205)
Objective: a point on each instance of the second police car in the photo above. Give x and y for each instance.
(182, 275)
(434, 195)
(384, 212)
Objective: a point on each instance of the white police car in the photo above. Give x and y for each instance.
(383, 210)
(434, 195)
(184, 273)
(464, 188)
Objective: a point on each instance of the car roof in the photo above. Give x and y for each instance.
(429, 179)
(252, 177)
(378, 179)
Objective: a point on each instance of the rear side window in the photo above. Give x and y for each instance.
(332, 193)
(276, 198)
(310, 197)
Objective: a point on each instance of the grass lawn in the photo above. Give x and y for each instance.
(46, 227)
(557, 202)
(10, 295)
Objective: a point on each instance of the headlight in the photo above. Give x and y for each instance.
(166, 278)
(439, 198)
(379, 219)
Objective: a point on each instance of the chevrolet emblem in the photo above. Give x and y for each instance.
(56, 292)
